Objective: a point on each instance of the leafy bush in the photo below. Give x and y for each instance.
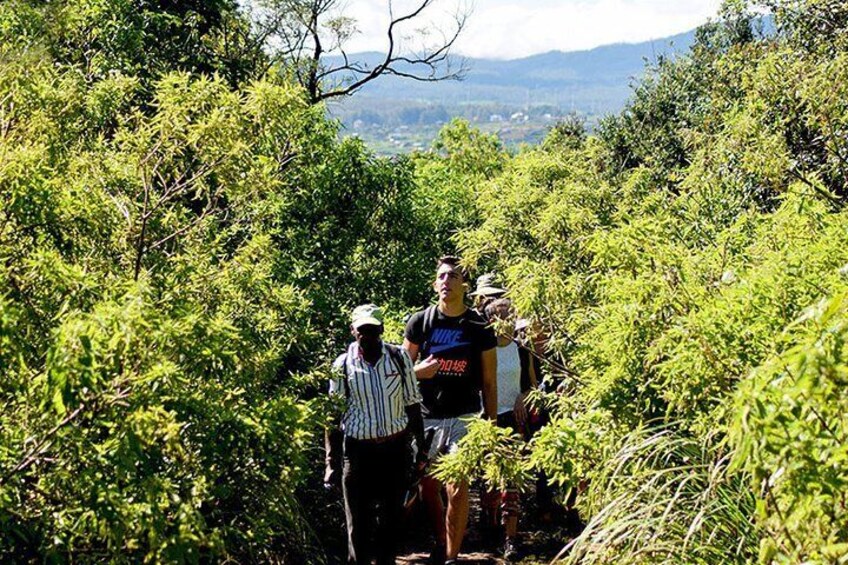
(176, 269)
(487, 452)
(665, 261)
(790, 427)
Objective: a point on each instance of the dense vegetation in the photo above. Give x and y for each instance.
(181, 235)
(689, 266)
(177, 256)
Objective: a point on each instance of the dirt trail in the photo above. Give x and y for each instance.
(538, 543)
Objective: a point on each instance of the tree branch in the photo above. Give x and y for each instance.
(33, 454)
(298, 27)
(139, 249)
(819, 190)
(170, 191)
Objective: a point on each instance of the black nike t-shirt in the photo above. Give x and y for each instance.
(456, 342)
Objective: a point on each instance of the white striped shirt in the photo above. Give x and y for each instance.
(377, 394)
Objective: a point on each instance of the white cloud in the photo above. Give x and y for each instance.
(516, 28)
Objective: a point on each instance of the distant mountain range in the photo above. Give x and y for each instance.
(589, 82)
(518, 99)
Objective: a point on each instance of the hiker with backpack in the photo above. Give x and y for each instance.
(383, 407)
(455, 349)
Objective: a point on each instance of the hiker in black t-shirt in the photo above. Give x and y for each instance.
(456, 356)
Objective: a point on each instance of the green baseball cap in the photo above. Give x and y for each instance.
(367, 315)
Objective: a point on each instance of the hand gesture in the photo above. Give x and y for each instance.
(427, 368)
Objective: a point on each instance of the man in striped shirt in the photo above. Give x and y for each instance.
(382, 407)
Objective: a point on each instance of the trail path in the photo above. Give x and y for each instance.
(538, 543)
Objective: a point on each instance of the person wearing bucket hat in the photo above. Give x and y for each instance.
(486, 286)
(378, 382)
(486, 291)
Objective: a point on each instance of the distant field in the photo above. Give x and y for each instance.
(395, 127)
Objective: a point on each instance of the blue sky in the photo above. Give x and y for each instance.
(514, 28)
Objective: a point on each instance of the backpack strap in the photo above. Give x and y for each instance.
(429, 322)
(396, 357)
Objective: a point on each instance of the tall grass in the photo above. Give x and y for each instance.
(667, 498)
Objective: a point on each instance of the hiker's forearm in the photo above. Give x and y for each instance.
(416, 426)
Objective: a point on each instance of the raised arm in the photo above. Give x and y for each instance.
(425, 369)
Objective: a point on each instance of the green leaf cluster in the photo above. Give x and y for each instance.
(489, 453)
(790, 427)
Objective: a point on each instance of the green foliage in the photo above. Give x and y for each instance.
(790, 428)
(674, 502)
(666, 261)
(811, 25)
(570, 133)
(174, 266)
(569, 447)
(676, 96)
(462, 156)
(489, 453)
(178, 254)
(145, 39)
(143, 416)
(469, 151)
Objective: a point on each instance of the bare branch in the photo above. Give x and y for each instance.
(303, 38)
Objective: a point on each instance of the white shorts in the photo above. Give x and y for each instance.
(445, 433)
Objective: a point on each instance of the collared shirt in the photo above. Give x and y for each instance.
(377, 394)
